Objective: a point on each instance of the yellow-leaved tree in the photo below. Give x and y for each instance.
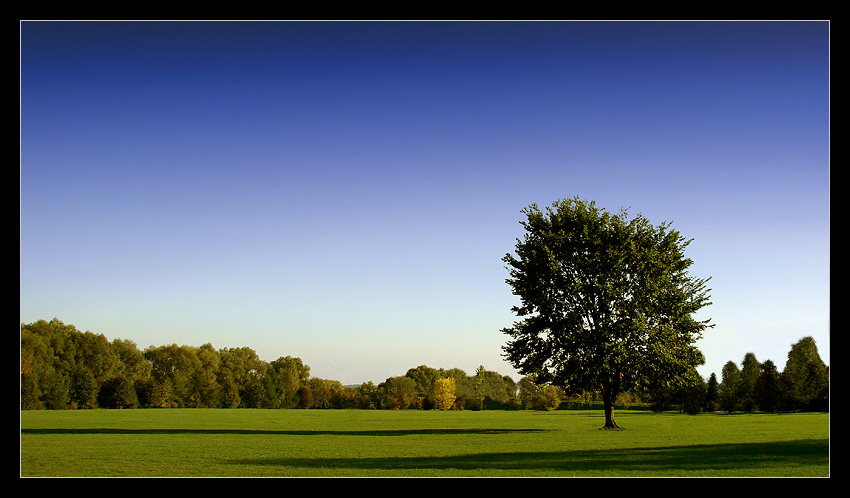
(444, 393)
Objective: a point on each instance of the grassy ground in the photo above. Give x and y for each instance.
(239, 442)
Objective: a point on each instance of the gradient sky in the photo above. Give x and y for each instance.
(344, 192)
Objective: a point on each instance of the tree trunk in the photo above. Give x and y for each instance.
(609, 394)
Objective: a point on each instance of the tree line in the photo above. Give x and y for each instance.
(63, 368)
(802, 385)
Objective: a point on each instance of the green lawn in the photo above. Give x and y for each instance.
(241, 442)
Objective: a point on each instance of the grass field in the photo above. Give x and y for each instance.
(309, 443)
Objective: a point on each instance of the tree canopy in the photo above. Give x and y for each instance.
(606, 302)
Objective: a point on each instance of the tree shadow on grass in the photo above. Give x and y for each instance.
(718, 457)
(263, 432)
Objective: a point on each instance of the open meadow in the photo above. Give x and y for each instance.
(309, 443)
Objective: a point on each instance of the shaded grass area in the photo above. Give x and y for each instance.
(266, 432)
(651, 461)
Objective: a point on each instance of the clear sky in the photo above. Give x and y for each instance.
(344, 192)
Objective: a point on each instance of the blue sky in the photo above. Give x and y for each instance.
(344, 192)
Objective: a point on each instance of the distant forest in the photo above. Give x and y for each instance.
(63, 368)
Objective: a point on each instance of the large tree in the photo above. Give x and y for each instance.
(606, 302)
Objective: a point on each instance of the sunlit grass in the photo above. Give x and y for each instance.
(239, 442)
